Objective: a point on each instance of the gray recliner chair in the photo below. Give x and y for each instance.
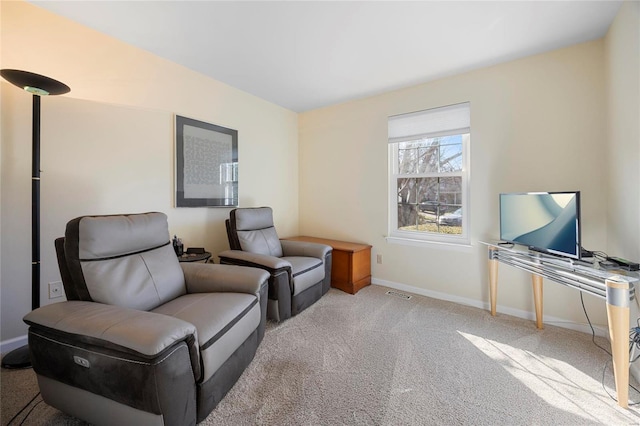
(143, 339)
(300, 272)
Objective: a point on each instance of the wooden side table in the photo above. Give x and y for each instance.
(351, 263)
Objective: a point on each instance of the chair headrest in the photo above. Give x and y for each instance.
(107, 236)
(249, 219)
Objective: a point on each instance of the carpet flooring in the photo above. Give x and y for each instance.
(378, 359)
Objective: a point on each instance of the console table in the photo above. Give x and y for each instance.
(614, 286)
(350, 263)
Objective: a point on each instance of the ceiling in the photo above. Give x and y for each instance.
(304, 55)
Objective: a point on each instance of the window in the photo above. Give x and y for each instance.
(429, 174)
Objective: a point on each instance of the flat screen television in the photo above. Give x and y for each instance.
(544, 221)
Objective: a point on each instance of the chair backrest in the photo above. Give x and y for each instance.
(123, 260)
(252, 230)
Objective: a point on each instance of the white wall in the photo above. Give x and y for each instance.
(622, 82)
(1, 180)
(622, 71)
(107, 146)
(536, 125)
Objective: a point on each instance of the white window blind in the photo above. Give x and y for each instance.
(430, 123)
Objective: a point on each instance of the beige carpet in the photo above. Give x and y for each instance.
(377, 359)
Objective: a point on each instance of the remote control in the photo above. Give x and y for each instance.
(632, 266)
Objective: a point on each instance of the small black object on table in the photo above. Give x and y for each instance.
(195, 255)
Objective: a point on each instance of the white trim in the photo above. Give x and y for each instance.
(451, 132)
(11, 344)
(559, 322)
(462, 245)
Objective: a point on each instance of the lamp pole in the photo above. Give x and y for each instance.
(35, 205)
(38, 85)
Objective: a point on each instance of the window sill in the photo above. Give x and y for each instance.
(464, 246)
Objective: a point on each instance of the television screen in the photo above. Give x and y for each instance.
(544, 221)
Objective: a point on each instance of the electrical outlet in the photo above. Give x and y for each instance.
(379, 258)
(55, 290)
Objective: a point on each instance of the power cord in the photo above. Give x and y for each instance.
(635, 340)
(593, 332)
(32, 408)
(24, 408)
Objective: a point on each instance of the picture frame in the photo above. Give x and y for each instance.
(206, 164)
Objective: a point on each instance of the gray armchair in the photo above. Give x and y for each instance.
(300, 272)
(143, 339)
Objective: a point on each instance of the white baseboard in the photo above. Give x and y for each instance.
(559, 322)
(11, 344)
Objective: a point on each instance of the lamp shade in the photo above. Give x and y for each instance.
(34, 83)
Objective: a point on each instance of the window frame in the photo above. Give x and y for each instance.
(422, 237)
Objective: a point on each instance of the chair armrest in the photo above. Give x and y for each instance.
(303, 248)
(145, 333)
(245, 258)
(207, 278)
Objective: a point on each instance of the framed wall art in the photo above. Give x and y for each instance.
(206, 164)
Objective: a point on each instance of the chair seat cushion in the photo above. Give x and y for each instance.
(223, 322)
(306, 272)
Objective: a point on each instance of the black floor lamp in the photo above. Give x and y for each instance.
(38, 85)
